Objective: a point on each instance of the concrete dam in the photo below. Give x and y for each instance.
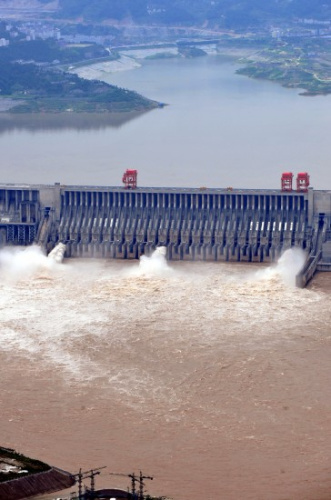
(193, 224)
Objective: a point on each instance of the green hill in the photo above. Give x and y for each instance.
(34, 84)
(223, 13)
(37, 89)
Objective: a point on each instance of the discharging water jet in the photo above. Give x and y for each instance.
(290, 263)
(57, 254)
(24, 262)
(288, 266)
(155, 264)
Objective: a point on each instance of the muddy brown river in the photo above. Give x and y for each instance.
(213, 378)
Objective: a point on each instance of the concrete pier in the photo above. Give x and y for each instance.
(206, 224)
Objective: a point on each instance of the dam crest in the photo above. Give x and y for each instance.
(192, 223)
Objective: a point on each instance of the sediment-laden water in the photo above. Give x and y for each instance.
(212, 377)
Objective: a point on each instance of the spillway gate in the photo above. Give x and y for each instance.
(194, 224)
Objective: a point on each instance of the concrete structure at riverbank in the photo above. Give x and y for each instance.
(36, 484)
(194, 224)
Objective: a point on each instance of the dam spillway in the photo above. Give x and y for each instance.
(192, 223)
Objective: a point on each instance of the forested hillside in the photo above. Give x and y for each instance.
(223, 13)
(36, 89)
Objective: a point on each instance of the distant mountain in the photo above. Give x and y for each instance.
(208, 13)
(27, 5)
(221, 13)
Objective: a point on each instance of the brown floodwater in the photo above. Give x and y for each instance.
(213, 378)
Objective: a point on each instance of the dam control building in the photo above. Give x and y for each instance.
(193, 224)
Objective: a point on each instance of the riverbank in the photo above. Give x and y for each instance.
(95, 71)
(300, 64)
(289, 76)
(132, 58)
(127, 60)
(281, 62)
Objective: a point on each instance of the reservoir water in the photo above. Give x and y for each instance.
(220, 129)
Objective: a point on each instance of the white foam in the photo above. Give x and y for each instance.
(25, 262)
(154, 265)
(125, 329)
(290, 264)
(287, 268)
(20, 263)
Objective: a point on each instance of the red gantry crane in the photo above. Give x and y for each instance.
(129, 179)
(287, 179)
(302, 182)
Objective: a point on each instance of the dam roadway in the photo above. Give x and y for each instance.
(192, 223)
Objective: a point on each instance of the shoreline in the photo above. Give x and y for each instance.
(131, 59)
(8, 103)
(95, 70)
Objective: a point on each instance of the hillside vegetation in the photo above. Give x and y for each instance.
(221, 13)
(34, 84)
(38, 90)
